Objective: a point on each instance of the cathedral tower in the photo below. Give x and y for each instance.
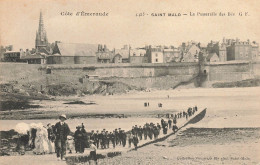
(41, 40)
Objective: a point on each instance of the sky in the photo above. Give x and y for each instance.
(19, 21)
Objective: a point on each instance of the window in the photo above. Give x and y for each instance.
(156, 60)
(156, 55)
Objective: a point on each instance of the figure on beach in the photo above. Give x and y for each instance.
(51, 138)
(61, 131)
(135, 141)
(79, 140)
(41, 140)
(93, 151)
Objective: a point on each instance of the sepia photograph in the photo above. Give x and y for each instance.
(137, 82)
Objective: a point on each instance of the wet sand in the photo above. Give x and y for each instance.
(227, 108)
(132, 104)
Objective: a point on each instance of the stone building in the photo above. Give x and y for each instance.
(239, 50)
(171, 55)
(222, 52)
(255, 50)
(13, 56)
(103, 54)
(190, 53)
(39, 58)
(155, 54)
(138, 56)
(212, 57)
(121, 55)
(73, 53)
(4, 49)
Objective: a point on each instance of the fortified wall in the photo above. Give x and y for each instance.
(229, 71)
(160, 76)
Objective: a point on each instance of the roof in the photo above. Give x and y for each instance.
(12, 52)
(76, 49)
(137, 52)
(123, 52)
(104, 55)
(211, 55)
(36, 56)
(43, 50)
(168, 50)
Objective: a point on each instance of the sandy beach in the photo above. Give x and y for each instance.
(229, 133)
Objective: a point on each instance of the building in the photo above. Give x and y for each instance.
(73, 53)
(121, 55)
(39, 58)
(171, 55)
(212, 57)
(222, 52)
(190, 53)
(239, 50)
(41, 40)
(219, 49)
(168, 55)
(104, 55)
(5, 49)
(13, 56)
(138, 56)
(255, 50)
(155, 54)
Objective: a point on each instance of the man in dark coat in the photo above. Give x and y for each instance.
(96, 139)
(61, 131)
(112, 137)
(116, 136)
(123, 138)
(140, 133)
(120, 136)
(135, 141)
(170, 123)
(145, 131)
(107, 139)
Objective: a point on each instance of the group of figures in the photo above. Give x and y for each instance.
(42, 139)
(186, 114)
(36, 137)
(58, 138)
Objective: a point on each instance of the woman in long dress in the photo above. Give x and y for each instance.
(41, 141)
(51, 138)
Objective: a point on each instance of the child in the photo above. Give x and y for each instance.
(70, 144)
(93, 151)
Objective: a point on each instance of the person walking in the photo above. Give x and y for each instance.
(79, 140)
(93, 151)
(170, 123)
(61, 131)
(135, 141)
(130, 139)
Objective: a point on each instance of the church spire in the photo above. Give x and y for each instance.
(41, 26)
(41, 36)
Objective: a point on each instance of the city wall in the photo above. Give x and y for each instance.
(160, 76)
(228, 71)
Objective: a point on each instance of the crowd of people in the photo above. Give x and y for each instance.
(58, 138)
